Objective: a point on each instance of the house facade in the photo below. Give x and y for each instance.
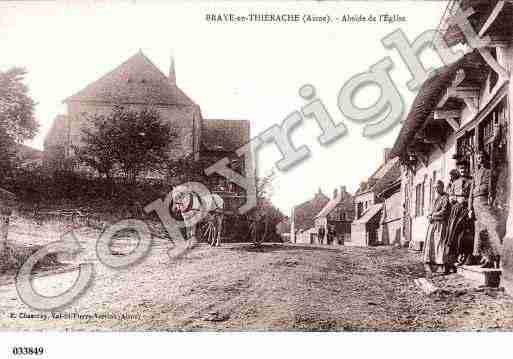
(336, 217)
(302, 228)
(388, 190)
(462, 108)
(368, 205)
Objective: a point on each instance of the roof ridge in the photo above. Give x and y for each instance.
(161, 83)
(139, 53)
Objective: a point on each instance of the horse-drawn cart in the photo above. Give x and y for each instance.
(225, 224)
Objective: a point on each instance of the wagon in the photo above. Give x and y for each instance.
(225, 224)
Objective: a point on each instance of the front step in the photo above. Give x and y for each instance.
(488, 277)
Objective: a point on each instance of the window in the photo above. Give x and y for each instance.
(359, 210)
(431, 189)
(423, 197)
(466, 145)
(419, 199)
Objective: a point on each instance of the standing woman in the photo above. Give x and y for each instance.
(434, 248)
(460, 235)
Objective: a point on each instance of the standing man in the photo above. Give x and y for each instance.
(331, 234)
(481, 205)
(321, 233)
(217, 216)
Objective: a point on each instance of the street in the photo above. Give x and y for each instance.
(276, 287)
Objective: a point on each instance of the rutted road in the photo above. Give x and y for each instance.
(277, 287)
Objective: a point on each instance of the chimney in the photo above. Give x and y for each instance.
(335, 193)
(363, 185)
(343, 190)
(386, 154)
(172, 74)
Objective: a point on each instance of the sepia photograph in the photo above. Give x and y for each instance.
(254, 167)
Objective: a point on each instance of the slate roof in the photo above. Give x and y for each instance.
(304, 213)
(390, 178)
(342, 199)
(377, 176)
(224, 135)
(136, 81)
(369, 214)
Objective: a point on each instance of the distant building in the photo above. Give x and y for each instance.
(388, 190)
(283, 229)
(368, 205)
(337, 216)
(303, 219)
(137, 84)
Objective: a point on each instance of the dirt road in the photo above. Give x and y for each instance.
(277, 287)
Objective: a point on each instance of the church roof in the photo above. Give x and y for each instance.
(136, 81)
(225, 135)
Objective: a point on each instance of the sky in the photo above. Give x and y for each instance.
(247, 71)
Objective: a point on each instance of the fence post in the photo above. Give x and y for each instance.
(4, 229)
(7, 203)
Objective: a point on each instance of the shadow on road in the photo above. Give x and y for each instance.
(275, 247)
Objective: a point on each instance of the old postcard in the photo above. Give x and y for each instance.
(254, 166)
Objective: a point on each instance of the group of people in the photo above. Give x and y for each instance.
(463, 220)
(330, 234)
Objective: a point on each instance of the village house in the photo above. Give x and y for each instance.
(137, 84)
(283, 229)
(302, 229)
(462, 108)
(368, 206)
(336, 217)
(388, 192)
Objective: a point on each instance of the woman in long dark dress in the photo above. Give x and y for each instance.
(460, 228)
(435, 258)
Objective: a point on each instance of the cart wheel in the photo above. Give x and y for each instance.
(209, 234)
